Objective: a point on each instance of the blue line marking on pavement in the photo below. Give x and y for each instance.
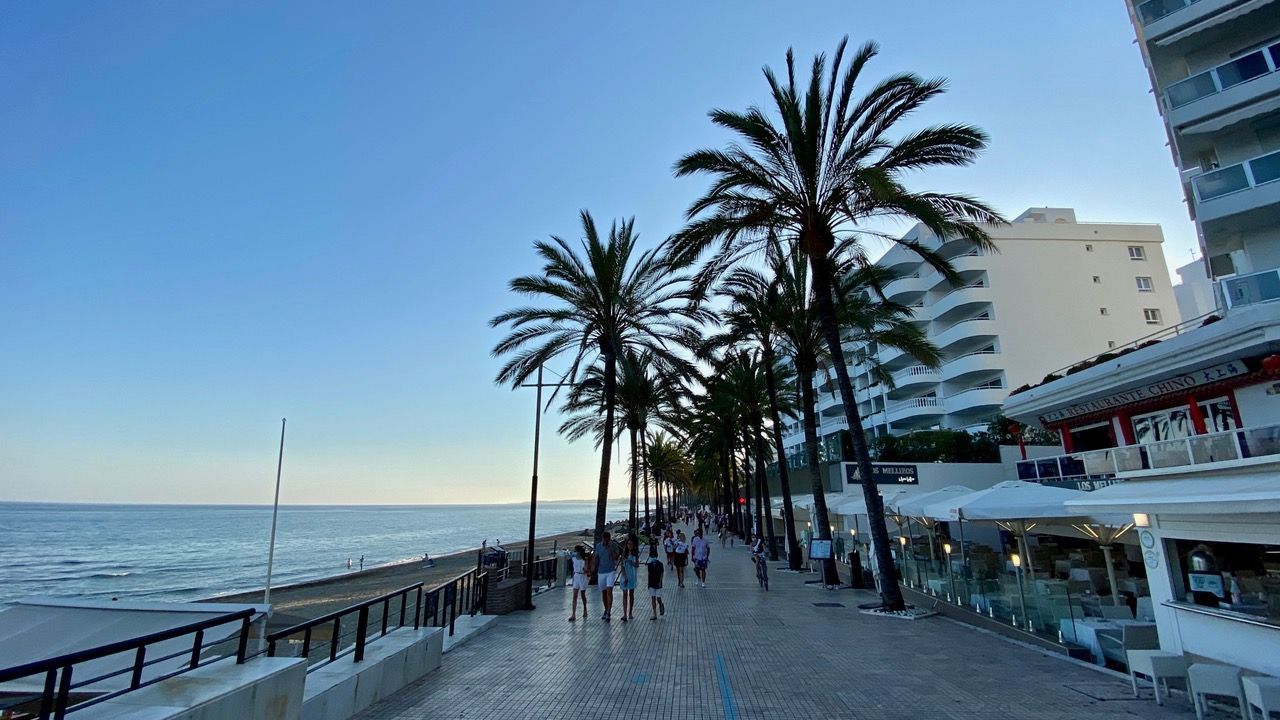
(726, 694)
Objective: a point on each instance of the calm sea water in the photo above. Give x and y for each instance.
(171, 552)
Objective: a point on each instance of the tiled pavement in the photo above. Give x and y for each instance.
(733, 651)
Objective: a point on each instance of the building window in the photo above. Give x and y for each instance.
(1242, 577)
(1137, 252)
(1144, 284)
(1151, 315)
(1097, 280)
(1088, 248)
(1111, 344)
(1103, 311)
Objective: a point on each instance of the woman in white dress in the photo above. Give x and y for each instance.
(579, 582)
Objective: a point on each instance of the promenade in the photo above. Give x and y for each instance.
(733, 651)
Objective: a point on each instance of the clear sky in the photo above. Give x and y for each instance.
(214, 215)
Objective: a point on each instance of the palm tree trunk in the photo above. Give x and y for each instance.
(748, 493)
(635, 479)
(764, 510)
(606, 442)
(788, 512)
(890, 593)
(644, 475)
(818, 519)
(726, 491)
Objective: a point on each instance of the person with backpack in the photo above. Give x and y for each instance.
(656, 571)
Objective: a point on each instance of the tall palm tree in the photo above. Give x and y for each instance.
(600, 300)
(742, 371)
(754, 316)
(825, 167)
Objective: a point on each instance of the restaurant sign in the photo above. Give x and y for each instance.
(1167, 386)
(883, 474)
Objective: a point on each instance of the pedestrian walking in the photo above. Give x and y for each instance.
(579, 582)
(605, 560)
(724, 536)
(680, 552)
(701, 557)
(656, 571)
(669, 546)
(630, 571)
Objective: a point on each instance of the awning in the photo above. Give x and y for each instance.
(1009, 500)
(34, 629)
(1242, 9)
(1216, 495)
(856, 504)
(1215, 124)
(913, 504)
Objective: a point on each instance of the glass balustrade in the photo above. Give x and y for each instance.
(1253, 288)
(1153, 10)
(1221, 182)
(1191, 89)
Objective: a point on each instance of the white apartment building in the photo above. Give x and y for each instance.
(1214, 72)
(1054, 290)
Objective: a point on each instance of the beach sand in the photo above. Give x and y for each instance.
(311, 599)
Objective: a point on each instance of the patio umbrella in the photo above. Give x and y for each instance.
(912, 505)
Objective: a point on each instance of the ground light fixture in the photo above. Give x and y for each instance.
(953, 597)
(902, 540)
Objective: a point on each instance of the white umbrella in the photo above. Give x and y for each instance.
(912, 504)
(856, 503)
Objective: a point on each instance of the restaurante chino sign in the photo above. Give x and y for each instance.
(1168, 386)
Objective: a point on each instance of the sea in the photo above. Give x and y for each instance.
(190, 552)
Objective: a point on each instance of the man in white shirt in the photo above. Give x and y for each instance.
(701, 556)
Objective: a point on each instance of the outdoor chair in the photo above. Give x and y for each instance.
(1146, 609)
(1205, 679)
(1132, 637)
(1115, 612)
(1157, 665)
(1262, 693)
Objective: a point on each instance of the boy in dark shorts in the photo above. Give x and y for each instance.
(656, 571)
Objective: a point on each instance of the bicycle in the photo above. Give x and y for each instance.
(762, 571)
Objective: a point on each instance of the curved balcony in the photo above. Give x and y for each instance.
(909, 380)
(977, 400)
(1235, 86)
(967, 329)
(916, 411)
(906, 289)
(967, 300)
(983, 361)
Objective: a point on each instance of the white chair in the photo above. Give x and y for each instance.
(1156, 665)
(1262, 693)
(1146, 609)
(1208, 679)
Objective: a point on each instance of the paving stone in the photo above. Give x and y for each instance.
(732, 650)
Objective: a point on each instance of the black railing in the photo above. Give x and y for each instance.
(55, 700)
(544, 572)
(439, 607)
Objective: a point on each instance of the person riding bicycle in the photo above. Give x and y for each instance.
(757, 557)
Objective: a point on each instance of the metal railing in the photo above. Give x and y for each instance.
(1227, 75)
(55, 699)
(439, 607)
(970, 354)
(984, 316)
(1161, 334)
(1223, 446)
(1153, 10)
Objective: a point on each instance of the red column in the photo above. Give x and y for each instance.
(1235, 408)
(1065, 432)
(1126, 427)
(1197, 417)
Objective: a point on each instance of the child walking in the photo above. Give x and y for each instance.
(656, 570)
(579, 581)
(630, 571)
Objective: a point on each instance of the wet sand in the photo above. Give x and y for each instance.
(314, 598)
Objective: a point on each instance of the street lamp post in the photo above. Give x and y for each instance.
(533, 485)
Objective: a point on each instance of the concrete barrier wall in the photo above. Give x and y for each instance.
(260, 689)
(343, 688)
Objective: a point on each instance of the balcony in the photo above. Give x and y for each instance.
(1168, 21)
(974, 362)
(1228, 446)
(1225, 87)
(967, 329)
(914, 376)
(915, 410)
(986, 399)
(906, 288)
(961, 299)
(1237, 188)
(1251, 289)
(1153, 10)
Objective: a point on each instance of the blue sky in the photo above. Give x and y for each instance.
(213, 215)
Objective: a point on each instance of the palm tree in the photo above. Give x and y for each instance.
(601, 302)
(754, 316)
(826, 167)
(668, 464)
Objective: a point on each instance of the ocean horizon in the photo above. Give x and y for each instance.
(179, 552)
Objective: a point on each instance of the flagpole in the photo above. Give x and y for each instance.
(275, 509)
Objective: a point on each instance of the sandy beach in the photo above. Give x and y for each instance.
(314, 598)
